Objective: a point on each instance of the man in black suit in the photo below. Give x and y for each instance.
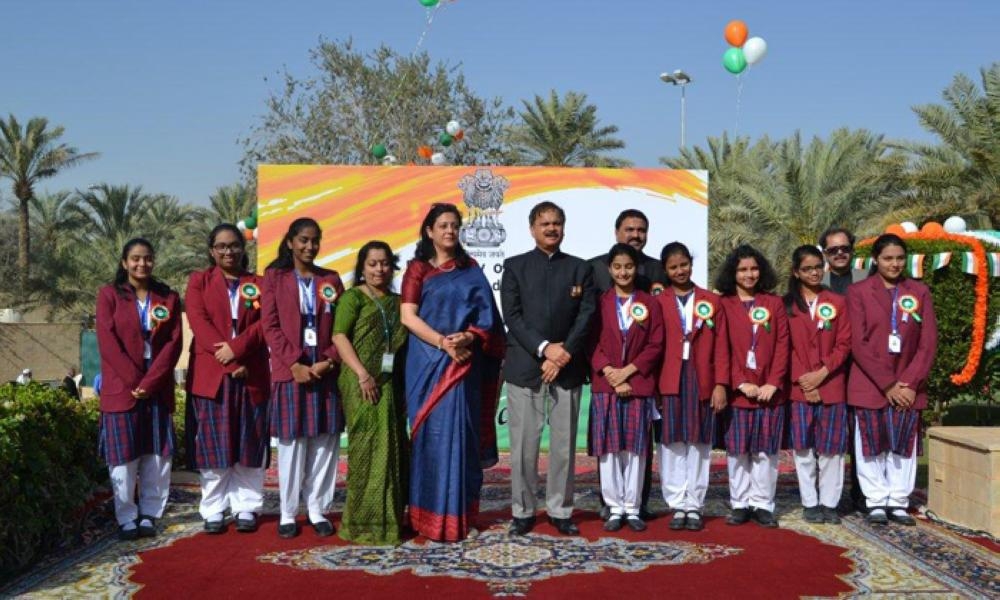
(548, 299)
(632, 228)
(838, 247)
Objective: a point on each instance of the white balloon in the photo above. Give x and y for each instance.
(437, 158)
(389, 160)
(452, 127)
(255, 233)
(241, 225)
(909, 227)
(754, 50)
(955, 224)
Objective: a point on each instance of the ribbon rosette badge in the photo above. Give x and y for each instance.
(761, 316)
(250, 294)
(160, 314)
(329, 293)
(656, 289)
(909, 305)
(639, 312)
(705, 312)
(826, 313)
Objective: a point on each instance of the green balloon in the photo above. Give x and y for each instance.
(251, 223)
(429, 3)
(446, 139)
(734, 61)
(379, 151)
(253, 213)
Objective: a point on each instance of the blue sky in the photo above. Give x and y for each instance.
(163, 90)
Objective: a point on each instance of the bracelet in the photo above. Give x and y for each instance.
(365, 380)
(440, 342)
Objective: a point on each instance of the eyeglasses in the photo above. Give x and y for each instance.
(811, 269)
(835, 250)
(231, 248)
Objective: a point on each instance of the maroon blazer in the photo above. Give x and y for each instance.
(709, 351)
(207, 306)
(119, 339)
(814, 348)
(874, 370)
(643, 345)
(281, 319)
(771, 351)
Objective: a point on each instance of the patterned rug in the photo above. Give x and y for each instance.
(797, 560)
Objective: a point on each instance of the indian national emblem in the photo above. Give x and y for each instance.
(483, 194)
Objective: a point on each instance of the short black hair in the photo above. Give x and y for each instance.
(726, 280)
(546, 207)
(630, 213)
(834, 230)
(623, 249)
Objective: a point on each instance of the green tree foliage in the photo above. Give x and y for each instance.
(27, 155)
(961, 174)
(564, 132)
(356, 100)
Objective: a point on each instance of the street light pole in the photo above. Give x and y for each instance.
(682, 79)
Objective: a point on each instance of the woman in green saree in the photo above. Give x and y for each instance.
(368, 334)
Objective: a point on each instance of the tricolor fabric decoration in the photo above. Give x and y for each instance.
(940, 261)
(915, 265)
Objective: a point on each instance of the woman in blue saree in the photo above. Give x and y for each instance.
(452, 378)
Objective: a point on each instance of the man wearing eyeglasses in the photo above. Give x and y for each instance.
(838, 248)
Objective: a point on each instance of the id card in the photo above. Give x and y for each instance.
(309, 337)
(387, 361)
(895, 343)
(686, 352)
(751, 359)
(147, 349)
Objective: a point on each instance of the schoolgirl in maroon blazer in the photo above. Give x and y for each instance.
(139, 338)
(757, 333)
(893, 342)
(821, 343)
(298, 304)
(227, 384)
(693, 383)
(625, 357)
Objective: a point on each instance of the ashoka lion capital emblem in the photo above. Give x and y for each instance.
(483, 194)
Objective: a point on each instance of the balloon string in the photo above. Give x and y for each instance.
(739, 98)
(387, 105)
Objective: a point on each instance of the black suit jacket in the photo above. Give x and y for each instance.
(546, 298)
(650, 272)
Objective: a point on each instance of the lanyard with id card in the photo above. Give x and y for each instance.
(895, 340)
(388, 357)
(307, 303)
(147, 330)
(685, 310)
(234, 303)
(752, 352)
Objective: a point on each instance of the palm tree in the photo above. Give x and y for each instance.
(961, 175)
(27, 156)
(565, 133)
(231, 203)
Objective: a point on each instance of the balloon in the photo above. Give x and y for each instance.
(389, 160)
(253, 213)
(379, 151)
(445, 139)
(736, 33)
(909, 226)
(895, 229)
(754, 50)
(429, 3)
(425, 152)
(241, 225)
(437, 158)
(932, 227)
(250, 223)
(734, 61)
(955, 224)
(459, 135)
(248, 234)
(453, 128)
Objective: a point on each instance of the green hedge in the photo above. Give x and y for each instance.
(954, 299)
(48, 468)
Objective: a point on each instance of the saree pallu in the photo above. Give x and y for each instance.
(450, 406)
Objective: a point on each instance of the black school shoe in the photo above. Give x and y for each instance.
(765, 518)
(899, 515)
(247, 525)
(813, 514)
(678, 522)
(288, 530)
(635, 523)
(215, 527)
(694, 522)
(614, 523)
(147, 530)
(831, 516)
(521, 525)
(128, 535)
(323, 529)
(738, 516)
(565, 526)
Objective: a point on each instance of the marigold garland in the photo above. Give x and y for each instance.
(982, 297)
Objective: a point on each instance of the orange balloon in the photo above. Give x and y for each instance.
(248, 234)
(458, 136)
(736, 33)
(896, 228)
(932, 227)
(425, 152)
